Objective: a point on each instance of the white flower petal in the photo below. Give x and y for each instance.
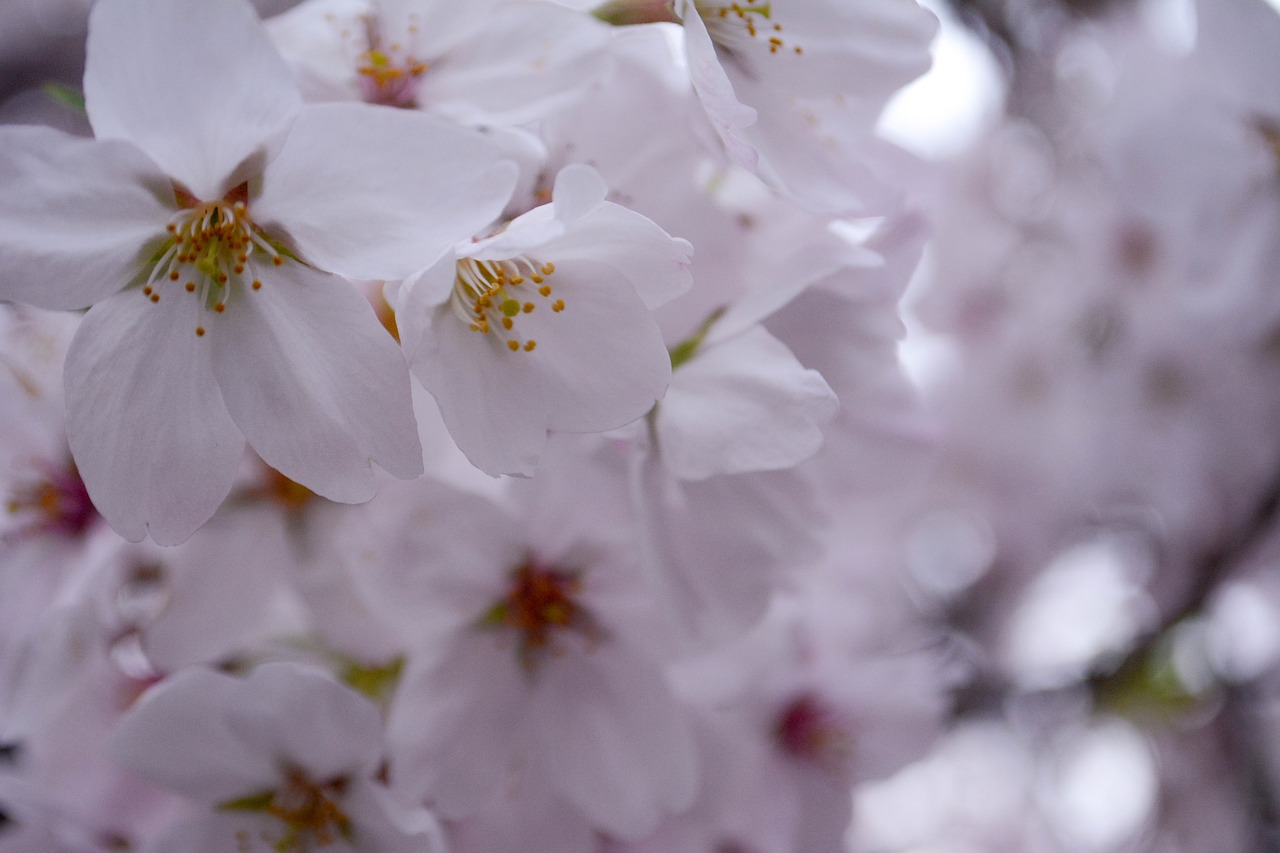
(496, 416)
(728, 115)
(718, 547)
(75, 216)
(465, 571)
(530, 818)
(455, 726)
(316, 384)
(601, 362)
(819, 171)
(613, 741)
(176, 737)
(856, 49)
(449, 22)
(578, 190)
(302, 716)
(146, 423)
(375, 193)
(655, 263)
(224, 594)
(547, 52)
(745, 404)
(196, 85)
(313, 38)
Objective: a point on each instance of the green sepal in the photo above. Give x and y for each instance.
(259, 802)
(374, 682)
(494, 617)
(688, 348)
(623, 13)
(68, 96)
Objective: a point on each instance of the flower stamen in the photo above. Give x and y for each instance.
(485, 296)
(210, 246)
(388, 74)
(728, 23)
(541, 605)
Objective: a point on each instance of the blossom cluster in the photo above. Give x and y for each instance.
(573, 426)
(445, 426)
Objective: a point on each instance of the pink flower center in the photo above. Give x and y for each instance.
(809, 730)
(55, 504)
(541, 605)
(388, 72)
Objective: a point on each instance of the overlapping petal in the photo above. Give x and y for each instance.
(197, 86)
(745, 404)
(145, 420)
(76, 216)
(316, 384)
(176, 737)
(375, 193)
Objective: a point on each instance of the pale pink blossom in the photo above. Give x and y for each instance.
(208, 225)
(545, 325)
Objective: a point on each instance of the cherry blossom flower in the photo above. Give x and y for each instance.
(533, 659)
(438, 56)
(204, 226)
(545, 325)
(284, 760)
(767, 70)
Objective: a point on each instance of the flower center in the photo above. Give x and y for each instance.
(56, 504)
(733, 25)
(1271, 136)
(309, 811)
(212, 246)
(388, 73)
(541, 605)
(809, 730)
(490, 296)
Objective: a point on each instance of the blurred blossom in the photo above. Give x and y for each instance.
(1087, 603)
